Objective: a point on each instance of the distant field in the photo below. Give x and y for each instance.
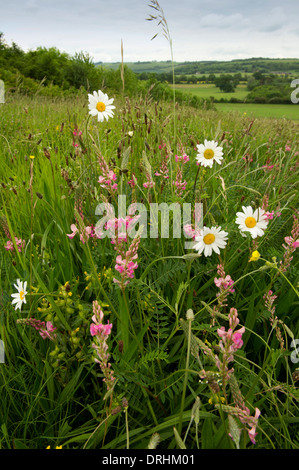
(207, 90)
(287, 111)
(259, 110)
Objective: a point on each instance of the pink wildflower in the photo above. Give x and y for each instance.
(224, 283)
(132, 182)
(88, 232)
(269, 215)
(179, 183)
(74, 231)
(126, 264)
(230, 342)
(9, 246)
(100, 334)
(164, 168)
(148, 184)
(184, 158)
(292, 243)
(107, 177)
(189, 231)
(46, 330)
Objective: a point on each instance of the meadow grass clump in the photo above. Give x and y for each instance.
(121, 339)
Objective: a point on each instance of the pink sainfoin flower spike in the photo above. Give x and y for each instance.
(184, 158)
(118, 231)
(100, 334)
(88, 232)
(108, 177)
(45, 329)
(230, 342)
(164, 170)
(126, 264)
(179, 184)
(48, 332)
(225, 285)
(292, 243)
(9, 246)
(149, 182)
(133, 181)
(251, 421)
(269, 299)
(74, 231)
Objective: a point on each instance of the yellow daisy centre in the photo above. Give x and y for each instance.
(208, 154)
(250, 222)
(101, 106)
(209, 238)
(22, 294)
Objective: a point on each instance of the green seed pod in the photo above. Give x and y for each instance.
(69, 310)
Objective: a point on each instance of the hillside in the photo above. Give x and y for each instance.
(264, 65)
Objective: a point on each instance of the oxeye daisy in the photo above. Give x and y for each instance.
(254, 222)
(209, 240)
(20, 297)
(100, 105)
(208, 153)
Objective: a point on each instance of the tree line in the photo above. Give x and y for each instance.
(50, 72)
(55, 73)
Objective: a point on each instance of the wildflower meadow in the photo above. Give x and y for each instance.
(149, 275)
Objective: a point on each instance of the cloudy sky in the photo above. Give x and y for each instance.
(200, 29)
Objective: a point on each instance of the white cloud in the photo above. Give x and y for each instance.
(220, 21)
(201, 30)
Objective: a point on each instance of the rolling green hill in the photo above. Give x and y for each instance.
(264, 65)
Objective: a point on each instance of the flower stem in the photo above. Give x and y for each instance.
(185, 378)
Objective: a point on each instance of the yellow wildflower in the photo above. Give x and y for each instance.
(255, 256)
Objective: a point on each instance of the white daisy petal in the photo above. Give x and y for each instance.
(208, 153)
(20, 297)
(252, 221)
(100, 105)
(209, 240)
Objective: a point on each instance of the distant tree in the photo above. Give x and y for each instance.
(49, 64)
(192, 79)
(251, 83)
(81, 71)
(225, 83)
